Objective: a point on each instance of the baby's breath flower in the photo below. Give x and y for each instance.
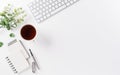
(10, 18)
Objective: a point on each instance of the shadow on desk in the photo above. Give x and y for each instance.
(43, 40)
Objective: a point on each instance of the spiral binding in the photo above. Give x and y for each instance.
(11, 65)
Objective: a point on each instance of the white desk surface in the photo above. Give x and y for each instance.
(81, 40)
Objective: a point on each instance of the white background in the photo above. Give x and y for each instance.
(81, 40)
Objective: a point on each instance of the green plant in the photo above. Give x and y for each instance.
(11, 17)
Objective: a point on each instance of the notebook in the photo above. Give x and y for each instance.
(17, 62)
(17, 45)
(18, 58)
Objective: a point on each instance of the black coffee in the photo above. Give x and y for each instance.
(28, 32)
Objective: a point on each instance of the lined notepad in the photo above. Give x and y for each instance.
(18, 58)
(17, 45)
(17, 62)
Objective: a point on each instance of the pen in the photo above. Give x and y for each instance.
(33, 67)
(34, 58)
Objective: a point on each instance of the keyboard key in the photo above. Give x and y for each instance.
(43, 9)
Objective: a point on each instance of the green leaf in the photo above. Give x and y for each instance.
(1, 44)
(12, 35)
(9, 14)
(2, 14)
(6, 21)
(8, 27)
(2, 22)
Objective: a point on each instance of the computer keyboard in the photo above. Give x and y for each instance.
(44, 9)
